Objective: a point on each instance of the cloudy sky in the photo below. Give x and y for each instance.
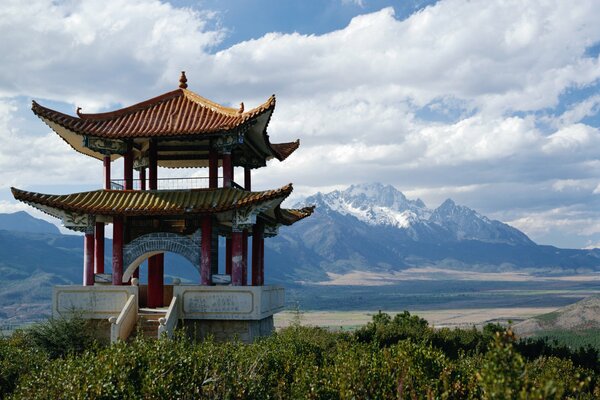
(492, 103)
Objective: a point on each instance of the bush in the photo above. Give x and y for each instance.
(61, 336)
(17, 358)
(505, 374)
(301, 362)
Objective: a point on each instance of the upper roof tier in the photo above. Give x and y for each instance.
(182, 123)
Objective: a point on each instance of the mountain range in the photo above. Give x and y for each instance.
(374, 227)
(368, 228)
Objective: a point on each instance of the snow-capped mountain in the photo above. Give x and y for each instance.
(374, 204)
(383, 205)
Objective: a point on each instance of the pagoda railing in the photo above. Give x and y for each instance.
(168, 324)
(168, 183)
(122, 326)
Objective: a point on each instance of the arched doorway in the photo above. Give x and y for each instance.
(152, 247)
(139, 249)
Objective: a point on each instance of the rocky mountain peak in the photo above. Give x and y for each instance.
(383, 205)
(373, 203)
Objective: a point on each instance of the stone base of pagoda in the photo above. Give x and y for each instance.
(223, 312)
(226, 313)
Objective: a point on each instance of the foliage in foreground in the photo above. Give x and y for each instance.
(400, 357)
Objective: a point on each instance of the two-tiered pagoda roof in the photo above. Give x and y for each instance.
(184, 128)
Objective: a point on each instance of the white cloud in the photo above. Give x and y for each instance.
(45, 159)
(578, 111)
(360, 3)
(569, 220)
(97, 52)
(499, 56)
(562, 185)
(578, 139)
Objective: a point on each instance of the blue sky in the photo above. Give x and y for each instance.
(245, 20)
(492, 103)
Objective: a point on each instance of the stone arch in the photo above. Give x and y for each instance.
(139, 249)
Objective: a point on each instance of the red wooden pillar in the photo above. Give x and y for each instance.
(247, 179)
(236, 258)
(106, 165)
(257, 238)
(152, 166)
(117, 260)
(248, 187)
(160, 262)
(99, 248)
(245, 257)
(228, 256)
(227, 170)
(88, 259)
(128, 168)
(143, 178)
(154, 282)
(205, 256)
(213, 169)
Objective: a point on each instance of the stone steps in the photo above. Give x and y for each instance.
(147, 323)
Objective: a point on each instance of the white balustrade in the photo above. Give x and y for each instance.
(122, 326)
(168, 324)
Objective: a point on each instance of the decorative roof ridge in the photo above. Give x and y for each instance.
(40, 110)
(234, 112)
(133, 108)
(203, 101)
(188, 94)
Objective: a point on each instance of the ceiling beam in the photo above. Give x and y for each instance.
(191, 147)
(182, 157)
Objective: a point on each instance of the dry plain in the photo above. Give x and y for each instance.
(347, 320)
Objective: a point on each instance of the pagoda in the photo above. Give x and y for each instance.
(186, 216)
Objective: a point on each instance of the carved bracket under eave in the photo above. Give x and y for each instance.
(78, 222)
(271, 230)
(245, 218)
(105, 146)
(141, 162)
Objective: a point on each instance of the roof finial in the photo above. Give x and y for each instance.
(241, 109)
(183, 81)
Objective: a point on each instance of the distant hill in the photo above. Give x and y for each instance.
(23, 222)
(580, 316)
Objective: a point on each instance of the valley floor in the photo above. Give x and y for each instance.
(452, 318)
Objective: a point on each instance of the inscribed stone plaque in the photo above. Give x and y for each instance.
(95, 302)
(91, 301)
(205, 302)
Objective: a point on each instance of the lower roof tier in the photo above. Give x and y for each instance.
(229, 205)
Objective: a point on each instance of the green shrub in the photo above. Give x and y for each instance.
(505, 374)
(17, 358)
(301, 362)
(61, 336)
